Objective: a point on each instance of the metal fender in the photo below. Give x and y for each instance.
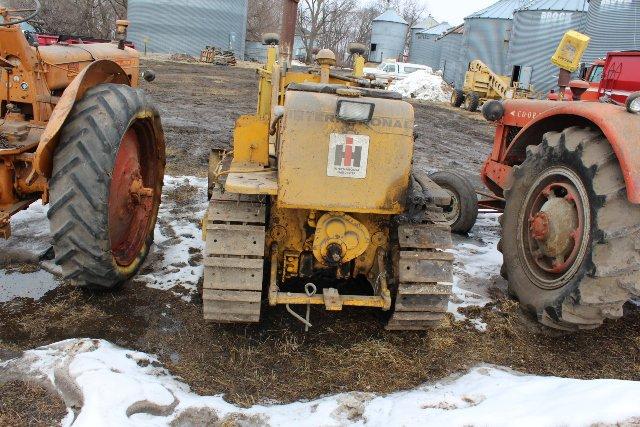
(98, 72)
(620, 127)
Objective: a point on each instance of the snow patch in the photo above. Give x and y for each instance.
(107, 385)
(29, 236)
(424, 85)
(476, 267)
(175, 259)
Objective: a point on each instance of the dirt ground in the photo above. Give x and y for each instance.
(276, 360)
(200, 103)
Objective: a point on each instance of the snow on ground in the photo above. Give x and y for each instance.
(174, 260)
(104, 385)
(178, 236)
(29, 236)
(424, 85)
(477, 266)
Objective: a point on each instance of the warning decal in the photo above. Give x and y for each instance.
(348, 156)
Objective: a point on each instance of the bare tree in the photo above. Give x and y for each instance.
(93, 18)
(263, 17)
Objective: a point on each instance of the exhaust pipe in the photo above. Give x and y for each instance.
(288, 29)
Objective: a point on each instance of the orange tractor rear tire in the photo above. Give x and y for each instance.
(569, 232)
(106, 186)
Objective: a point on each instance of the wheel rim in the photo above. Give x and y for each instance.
(131, 199)
(452, 211)
(554, 228)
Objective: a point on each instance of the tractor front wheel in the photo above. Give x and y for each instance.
(457, 98)
(472, 102)
(569, 232)
(106, 186)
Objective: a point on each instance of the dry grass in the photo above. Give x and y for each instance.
(344, 351)
(27, 404)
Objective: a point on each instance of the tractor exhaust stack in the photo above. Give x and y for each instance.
(288, 29)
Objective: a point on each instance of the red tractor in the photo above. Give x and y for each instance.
(615, 77)
(566, 176)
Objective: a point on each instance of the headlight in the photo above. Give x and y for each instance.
(633, 103)
(351, 111)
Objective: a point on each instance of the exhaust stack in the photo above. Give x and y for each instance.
(288, 29)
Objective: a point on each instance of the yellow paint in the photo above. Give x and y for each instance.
(251, 141)
(358, 66)
(348, 300)
(303, 181)
(480, 79)
(265, 87)
(337, 228)
(308, 210)
(253, 182)
(570, 51)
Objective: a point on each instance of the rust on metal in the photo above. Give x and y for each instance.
(98, 72)
(130, 199)
(288, 29)
(531, 119)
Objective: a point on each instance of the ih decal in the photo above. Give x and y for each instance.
(348, 155)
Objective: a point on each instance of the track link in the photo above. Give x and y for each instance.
(424, 277)
(234, 258)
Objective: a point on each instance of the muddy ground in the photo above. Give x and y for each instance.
(276, 361)
(200, 103)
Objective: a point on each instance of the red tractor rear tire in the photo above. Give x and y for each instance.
(569, 232)
(106, 186)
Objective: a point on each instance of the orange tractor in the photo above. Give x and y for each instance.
(78, 135)
(566, 176)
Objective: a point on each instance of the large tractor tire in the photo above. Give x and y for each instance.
(457, 98)
(569, 232)
(462, 213)
(472, 102)
(106, 186)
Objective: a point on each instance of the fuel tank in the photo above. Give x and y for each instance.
(332, 164)
(63, 62)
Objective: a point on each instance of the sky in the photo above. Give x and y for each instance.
(454, 11)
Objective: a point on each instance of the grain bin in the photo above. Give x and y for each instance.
(423, 25)
(424, 49)
(187, 26)
(613, 25)
(452, 64)
(537, 31)
(388, 37)
(487, 34)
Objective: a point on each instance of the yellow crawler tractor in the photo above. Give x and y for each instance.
(77, 134)
(319, 203)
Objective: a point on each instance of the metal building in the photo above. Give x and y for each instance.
(423, 25)
(187, 26)
(388, 36)
(613, 25)
(452, 63)
(537, 31)
(424, 49)
(487, 34)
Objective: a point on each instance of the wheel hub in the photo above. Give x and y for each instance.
(555, 227)
(452, 212)
(130, 201)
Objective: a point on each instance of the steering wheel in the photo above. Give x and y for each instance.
(34, 12)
